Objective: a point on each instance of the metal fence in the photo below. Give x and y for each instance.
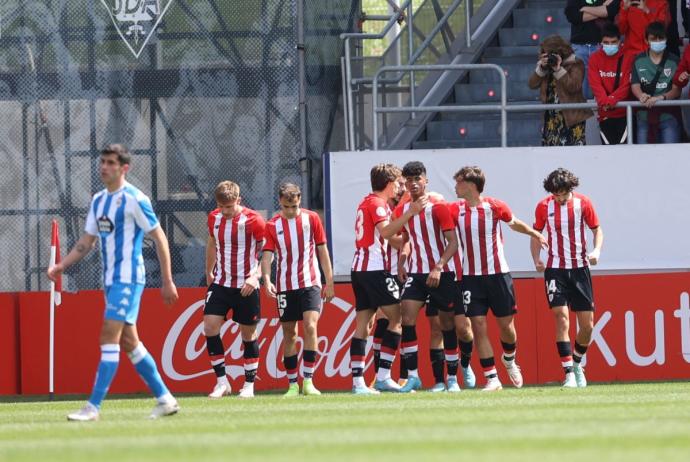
(200, 91)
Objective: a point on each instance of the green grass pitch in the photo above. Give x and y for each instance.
(633, 422)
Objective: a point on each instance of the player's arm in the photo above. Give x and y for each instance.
(402, 258)
(168, 289)
(395, 226)
(598, 242)
(535, 249)
(252, 282)
(521, 227)
(395, 241)
(210, 259)
(266, 261)
(328, 292)
(451, 249)
(79, 251)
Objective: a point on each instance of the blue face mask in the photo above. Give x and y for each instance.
(610, 49)
(657, 47)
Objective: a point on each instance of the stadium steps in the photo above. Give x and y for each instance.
(514, 48)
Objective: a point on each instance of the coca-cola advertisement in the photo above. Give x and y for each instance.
(636, 337)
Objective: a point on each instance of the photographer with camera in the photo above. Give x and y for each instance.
(559, 75)
(587, 18)
(633, 19)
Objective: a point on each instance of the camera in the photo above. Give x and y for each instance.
(551, 59)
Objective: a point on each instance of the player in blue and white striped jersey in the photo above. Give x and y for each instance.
(120, 215)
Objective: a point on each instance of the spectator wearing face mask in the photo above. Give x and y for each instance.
(652, 81)
(609, 76)
(634, 17)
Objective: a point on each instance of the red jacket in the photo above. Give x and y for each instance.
(683, 66)
(632, 23)
(602, 75)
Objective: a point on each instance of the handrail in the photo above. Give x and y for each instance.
(504, 108)
(414, 108)
(349, 113)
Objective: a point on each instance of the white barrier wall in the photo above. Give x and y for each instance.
(641, 194)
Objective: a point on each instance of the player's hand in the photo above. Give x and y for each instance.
(683, 76)
(434, 277)
(270, 288)
(249, 286)
(169, 293)
(543, 242)
(593, 257)
(55, 271)
(402, 274)
(539, 265)
(328, 292)
(417, 206)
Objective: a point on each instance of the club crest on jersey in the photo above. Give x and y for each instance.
(667, 71)
(136, 20)
(105, 225)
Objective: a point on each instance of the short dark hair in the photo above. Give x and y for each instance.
(472, 174)
(123, 155)
(657, 29)
(414, 168)
(289, 191)
(610, 30)
(561, 180)
(382, 174)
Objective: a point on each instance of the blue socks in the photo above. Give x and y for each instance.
(110, 358)
(146, 367)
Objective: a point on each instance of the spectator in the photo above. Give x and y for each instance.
(559, 75)
(587, 18)
(609, 75)
(635, 16)
(652, 77)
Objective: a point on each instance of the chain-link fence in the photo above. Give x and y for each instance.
(200, 92)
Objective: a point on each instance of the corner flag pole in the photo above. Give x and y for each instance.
(55, 300)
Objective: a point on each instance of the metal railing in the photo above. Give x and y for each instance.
(503, 107)
(353, 84)
(414, 108)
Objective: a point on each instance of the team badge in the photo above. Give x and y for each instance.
(380, 211)
(105, 225)
(136, 20)
(667, 71)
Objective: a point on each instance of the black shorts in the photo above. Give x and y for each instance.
(458, 306)
(374, 289)
(439, 298)
(221, 299)
(495, 291)
(569, 287)
(293, 303)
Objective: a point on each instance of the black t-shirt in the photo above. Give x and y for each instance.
(590, 31)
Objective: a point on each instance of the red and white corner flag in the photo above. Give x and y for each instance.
(55, 259)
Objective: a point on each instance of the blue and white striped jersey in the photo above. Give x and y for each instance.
(121, 219)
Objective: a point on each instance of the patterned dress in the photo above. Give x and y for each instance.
(555, 131)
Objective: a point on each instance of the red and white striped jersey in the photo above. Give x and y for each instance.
(371, 249)
(565, 228)
(238, 241)
(294, 242)
(425, 233)
(481, 238)
(393, 257)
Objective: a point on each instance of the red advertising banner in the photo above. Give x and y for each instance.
(9, 344)
(642, 332)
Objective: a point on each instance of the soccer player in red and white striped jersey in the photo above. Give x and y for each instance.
(564, 214)
(486, 281)
(296, 237)
(235, 237)
(373, 284)
(429, 270)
